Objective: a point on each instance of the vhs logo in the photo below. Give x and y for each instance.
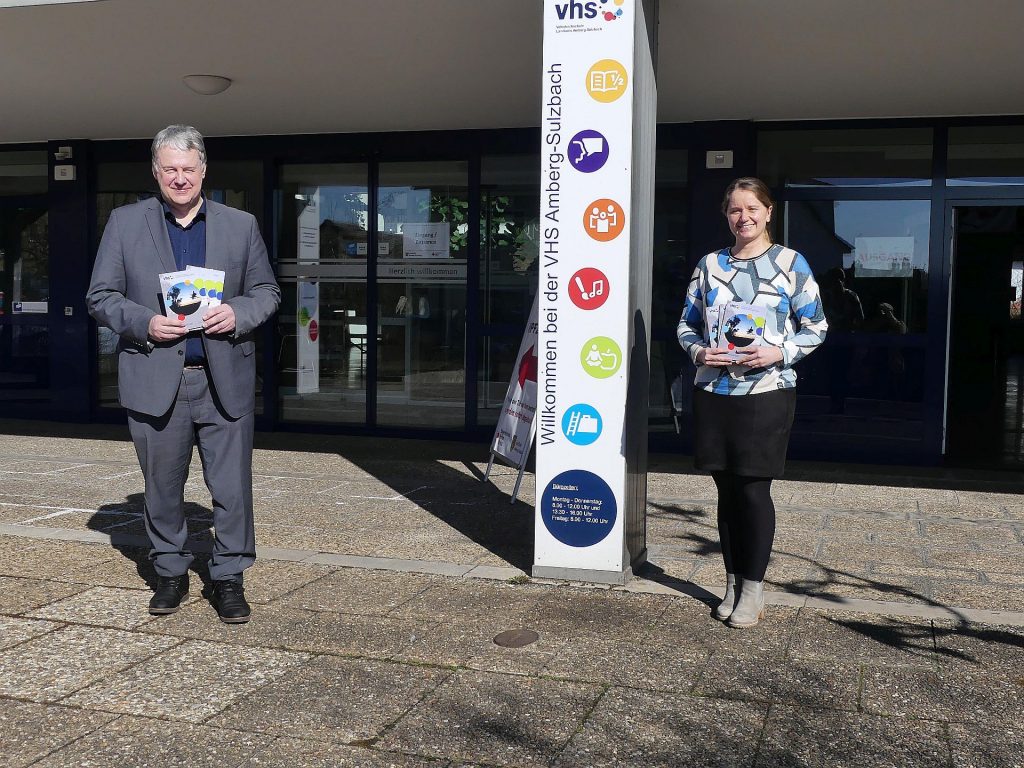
(609, 10)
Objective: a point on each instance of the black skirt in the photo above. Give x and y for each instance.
(743, 434)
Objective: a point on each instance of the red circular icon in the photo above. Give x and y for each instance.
(588, 288)
(314, 330)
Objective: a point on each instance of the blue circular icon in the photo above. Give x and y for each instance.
(578, 508)
(588, 151)
(581, 424)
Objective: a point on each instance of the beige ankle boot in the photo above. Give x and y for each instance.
(750, 607)
(725, 608)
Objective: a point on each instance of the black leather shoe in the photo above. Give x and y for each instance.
(229, 597)
(170, 591)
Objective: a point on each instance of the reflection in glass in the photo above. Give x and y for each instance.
(985, 155)
(871, 261)
(423, 231)
(23, 172)
(24, 304)
(671, 372)
(322, 340)
(509, 210)
(875, 157)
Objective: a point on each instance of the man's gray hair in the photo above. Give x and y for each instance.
(183, 137)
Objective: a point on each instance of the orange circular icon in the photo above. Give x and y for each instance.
(604, 219)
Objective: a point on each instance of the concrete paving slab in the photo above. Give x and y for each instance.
(496, 719)
(102, 607)
(30, 731)
(369, 593)
(472, 600)
(300, 753)
(16, 631)
(457, 641)
(230, 672)
(22, 556)
(332, 699)
(832, 684)
(664, 730)
(947, 695)
(133, 741)
(986, 746)
(50, 667)
(856, 637)
(796, 737)
(18, 595)
(986, 596)
(643, 662)
(970, 646)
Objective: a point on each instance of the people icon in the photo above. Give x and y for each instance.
(603, 221)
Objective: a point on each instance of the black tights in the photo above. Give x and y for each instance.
(746, 523)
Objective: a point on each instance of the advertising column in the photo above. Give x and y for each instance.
(593, 334)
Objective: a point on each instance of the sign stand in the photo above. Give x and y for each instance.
(517, 423)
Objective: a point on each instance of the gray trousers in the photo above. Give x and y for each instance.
(164, 446)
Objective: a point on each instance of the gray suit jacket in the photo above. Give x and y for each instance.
(124, 294)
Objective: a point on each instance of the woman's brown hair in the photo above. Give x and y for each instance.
(761, 192)
(750, 184)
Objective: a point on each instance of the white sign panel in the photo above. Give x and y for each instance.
(425, 241)
(884, 256)
(583, 314)
(517, 420)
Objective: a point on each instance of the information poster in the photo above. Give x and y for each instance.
(517, 421)
(583, 308)
(307, 314)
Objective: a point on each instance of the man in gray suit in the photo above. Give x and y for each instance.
(183, 388)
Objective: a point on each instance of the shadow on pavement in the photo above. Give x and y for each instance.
(124, 524)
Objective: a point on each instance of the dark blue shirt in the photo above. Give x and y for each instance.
(188, 244)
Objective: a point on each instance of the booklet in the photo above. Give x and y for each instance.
(189, 293)
(741, 326)
(713, 324)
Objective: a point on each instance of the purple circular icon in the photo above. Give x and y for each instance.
(588, 151)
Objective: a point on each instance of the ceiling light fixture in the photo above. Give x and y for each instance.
(207, 85)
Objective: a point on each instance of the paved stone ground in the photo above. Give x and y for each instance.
(895, 634)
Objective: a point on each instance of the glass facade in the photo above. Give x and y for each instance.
(322, 349)
(23, 172)
(985, 156)
(408, 266)
(24, 305)
(423, 233)
(509, 209)
(856, 157)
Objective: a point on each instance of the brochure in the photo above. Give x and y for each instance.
(189, 293)
(741, 326)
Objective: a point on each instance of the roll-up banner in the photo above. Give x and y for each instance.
(585, 313)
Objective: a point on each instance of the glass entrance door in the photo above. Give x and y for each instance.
(24, 304)
(422, 247)
(324, 343)
(985, 400)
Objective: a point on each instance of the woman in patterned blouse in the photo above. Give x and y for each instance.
(751, 312)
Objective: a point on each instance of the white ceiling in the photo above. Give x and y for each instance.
(113, 68)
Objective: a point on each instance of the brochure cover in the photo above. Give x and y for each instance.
(742, 326)
(713, 324)
(188, 294)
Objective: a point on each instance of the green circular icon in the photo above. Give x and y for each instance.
(601, 357)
